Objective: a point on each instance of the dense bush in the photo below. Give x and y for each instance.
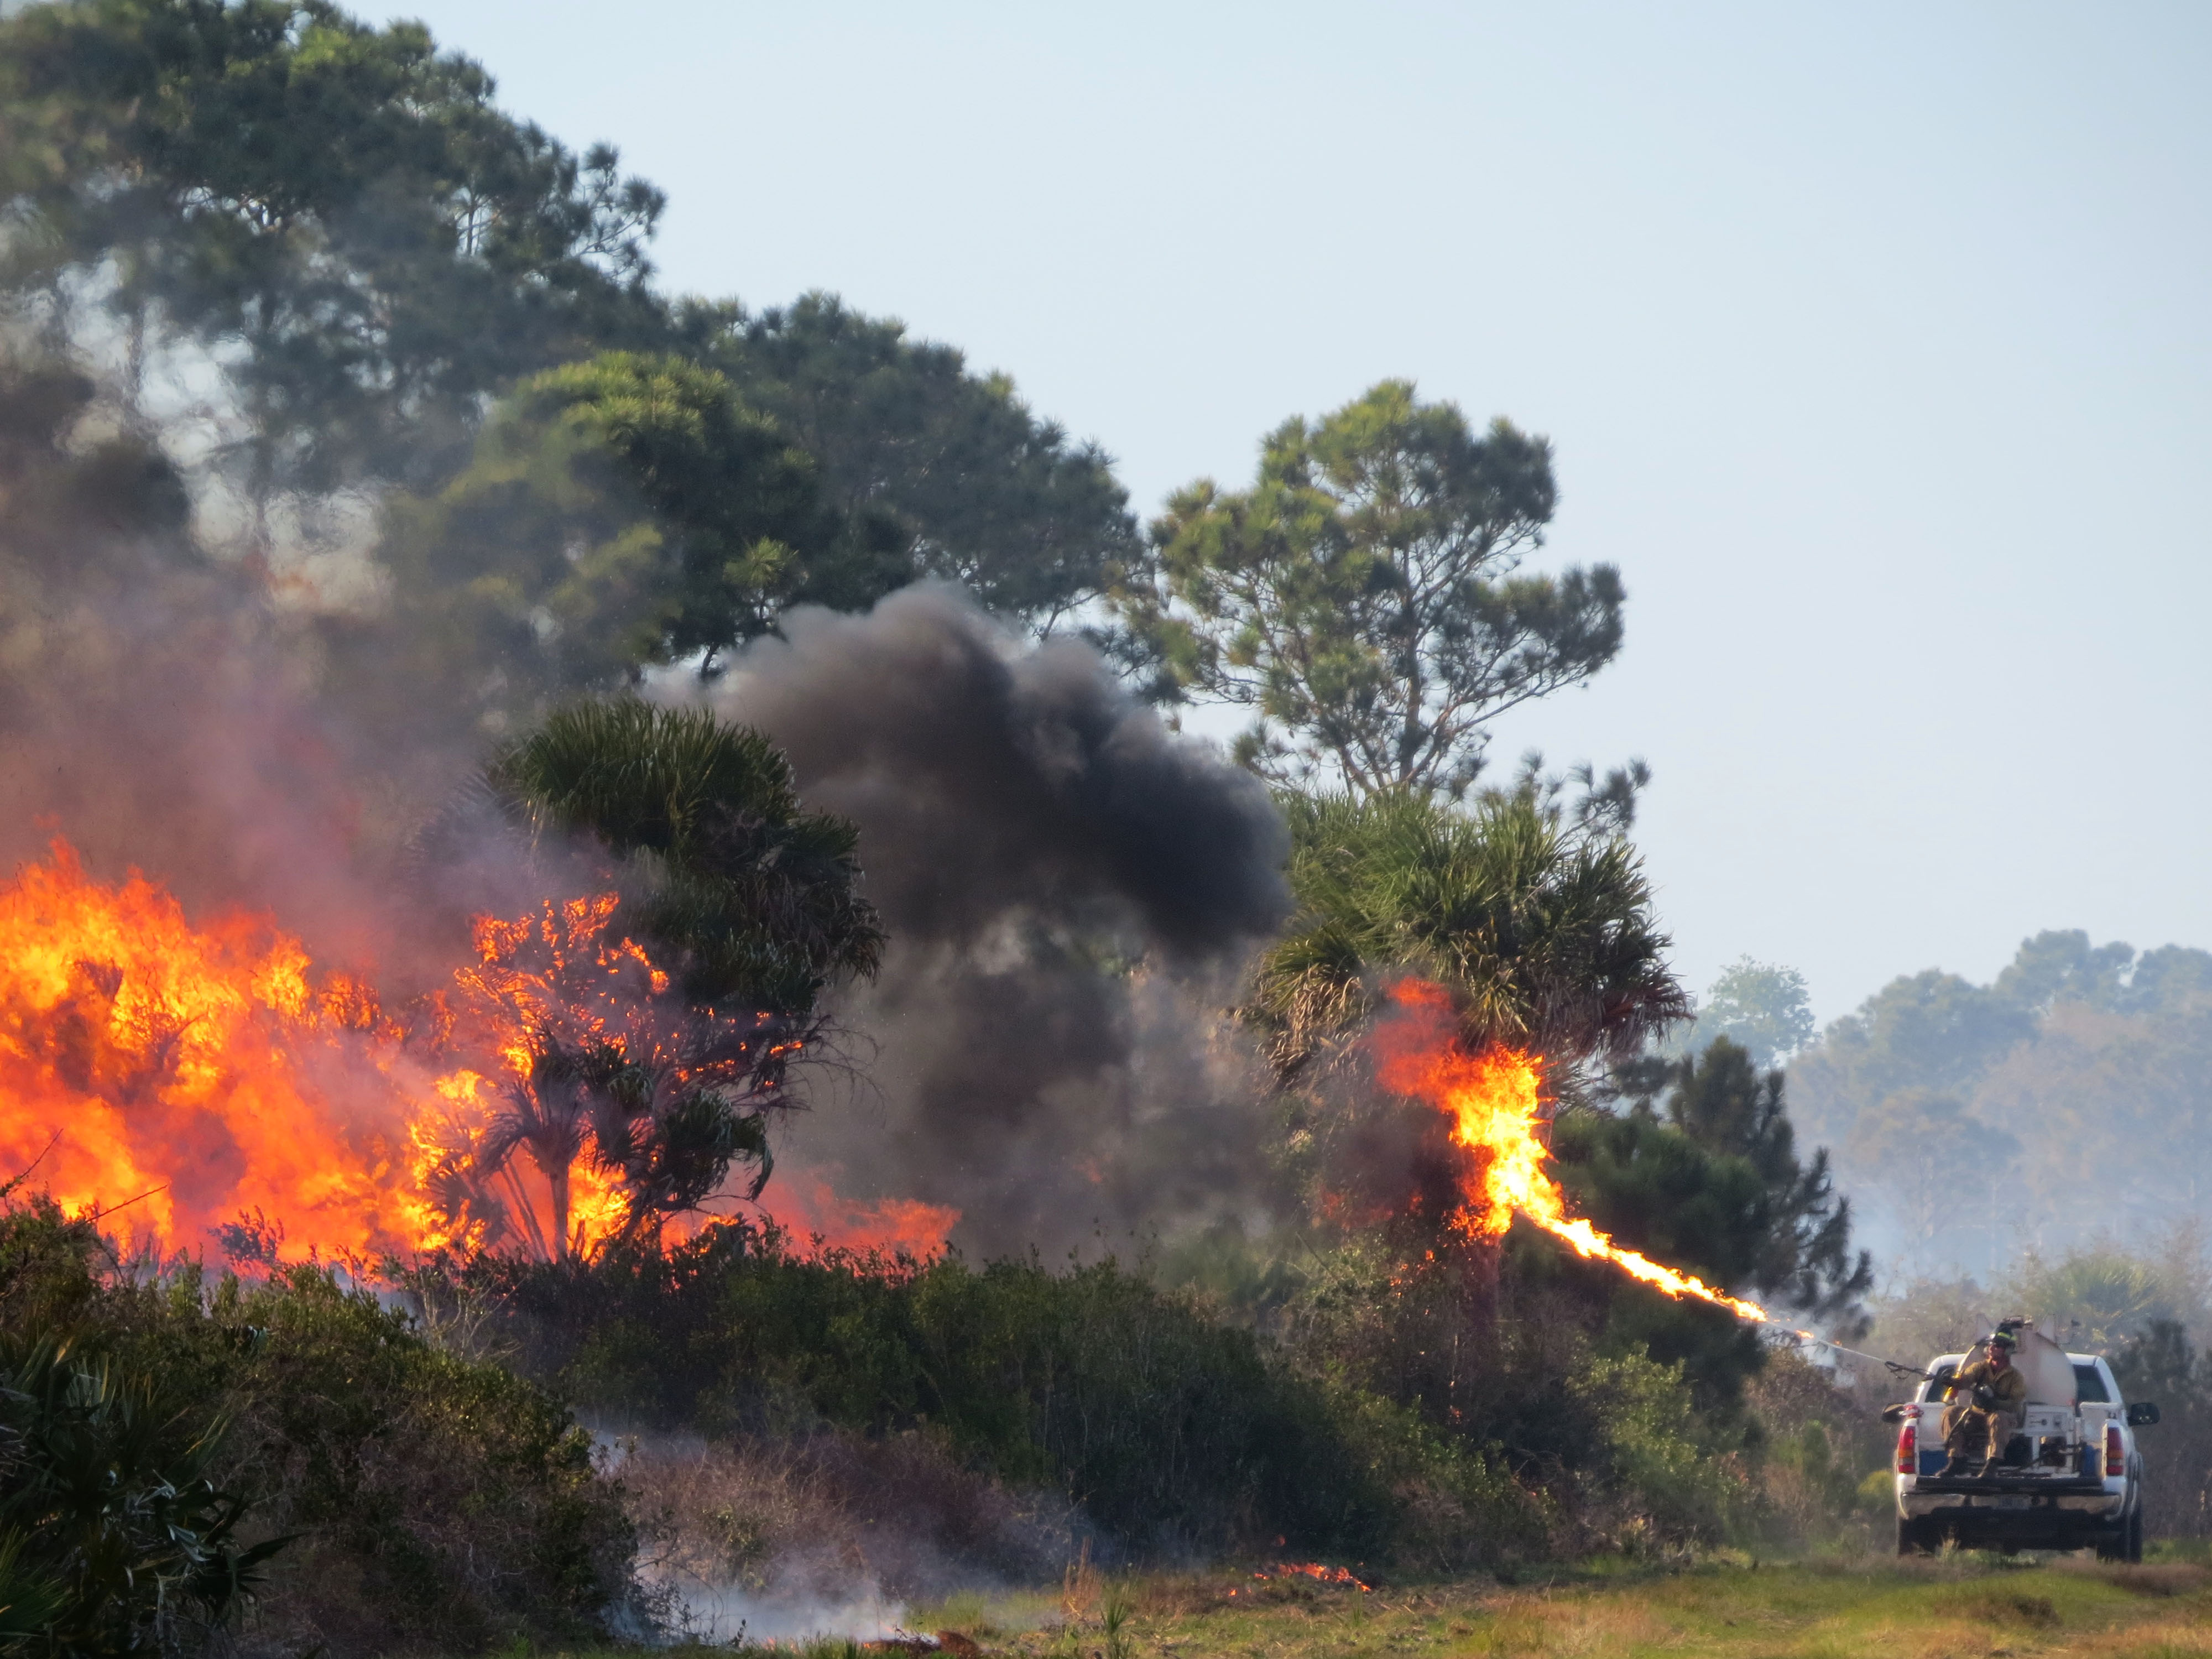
(2161, 1365)
(1499, 1354)
(1168, 1427)
(112, 1538)
(432, 1496)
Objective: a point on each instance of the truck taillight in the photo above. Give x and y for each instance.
(2116, 1455)
(1908, 1449)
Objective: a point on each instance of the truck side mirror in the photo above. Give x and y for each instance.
(2141, 1414)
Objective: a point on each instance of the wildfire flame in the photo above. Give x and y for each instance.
(1494, 1099)
(811, 1209)
(194, 1075)
(206, 1083)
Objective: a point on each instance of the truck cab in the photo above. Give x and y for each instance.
(2070, 1478)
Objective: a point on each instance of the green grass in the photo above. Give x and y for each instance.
(1916, 1610)
(1958, 1605)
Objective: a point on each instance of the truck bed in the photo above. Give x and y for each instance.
(2010, 1485)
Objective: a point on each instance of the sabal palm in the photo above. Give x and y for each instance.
(2110, 1294)
(751, 901)
(1545, 935)
(719, 857)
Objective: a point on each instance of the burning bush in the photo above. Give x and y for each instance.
(563, 1087)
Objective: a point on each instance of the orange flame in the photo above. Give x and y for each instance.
(564, 966)
(810, 1210)
(1317, 1571)
(1495, 1101)
(205, 1082)
(192, 1075)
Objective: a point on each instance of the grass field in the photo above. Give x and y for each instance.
(1961, 1605)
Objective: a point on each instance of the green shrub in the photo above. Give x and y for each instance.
(1564, 1434)
(1169, 1428)
(1654, 1467)
(112, 1539)
(1453, 1504)
(436, 1499)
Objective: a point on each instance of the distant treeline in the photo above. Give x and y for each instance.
(2070, 1097)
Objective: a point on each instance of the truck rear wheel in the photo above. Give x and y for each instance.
(1918, 1537)
(2134, 1551)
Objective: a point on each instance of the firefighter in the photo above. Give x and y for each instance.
(1987, 1397)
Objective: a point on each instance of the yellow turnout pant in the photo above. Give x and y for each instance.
(1971, 1431)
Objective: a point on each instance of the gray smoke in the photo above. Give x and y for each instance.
(165, 702)
(1071, 891)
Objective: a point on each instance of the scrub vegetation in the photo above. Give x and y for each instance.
(351, 454)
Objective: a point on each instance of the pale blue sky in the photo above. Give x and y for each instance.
(1875, 341)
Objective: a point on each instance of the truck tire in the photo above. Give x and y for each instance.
(1916, 1537)
(2134, 1549)
(2112, 1543)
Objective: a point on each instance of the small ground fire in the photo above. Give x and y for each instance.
(1318, 1571)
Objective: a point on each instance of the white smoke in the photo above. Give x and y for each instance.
(729, 1615)
(786, 1537)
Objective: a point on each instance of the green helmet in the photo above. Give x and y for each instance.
(2003, 1340)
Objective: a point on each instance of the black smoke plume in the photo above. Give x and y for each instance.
(1070, 890)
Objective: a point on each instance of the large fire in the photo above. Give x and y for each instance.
(206, 1083)
(193, 1075)
(1495, 1099)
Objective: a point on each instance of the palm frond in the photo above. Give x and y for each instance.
(1546, 936)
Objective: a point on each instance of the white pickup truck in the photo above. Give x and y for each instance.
(2071, 1479)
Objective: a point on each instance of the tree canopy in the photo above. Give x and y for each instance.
(2076, 1056)
(636, 509)
(945, 471)
(617, 513)
(1762, 1007)
(1365, 598)
(329, 232)
(716, 852)
(336, 212)
(1730, 1108)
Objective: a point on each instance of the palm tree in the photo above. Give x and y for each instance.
(1543, 932)
(660, 1061)
(2096, 1297)
(717, 856)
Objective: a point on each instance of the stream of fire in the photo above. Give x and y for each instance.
(206, 1083)
(1495, 1101)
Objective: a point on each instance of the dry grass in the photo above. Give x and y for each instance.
(807, 1516)
(1940, 1609)
(1958, 1606)
(2154, 1579)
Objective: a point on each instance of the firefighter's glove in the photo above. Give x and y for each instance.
(1985, 1395)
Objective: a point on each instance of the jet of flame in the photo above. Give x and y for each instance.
(1494, 1099)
